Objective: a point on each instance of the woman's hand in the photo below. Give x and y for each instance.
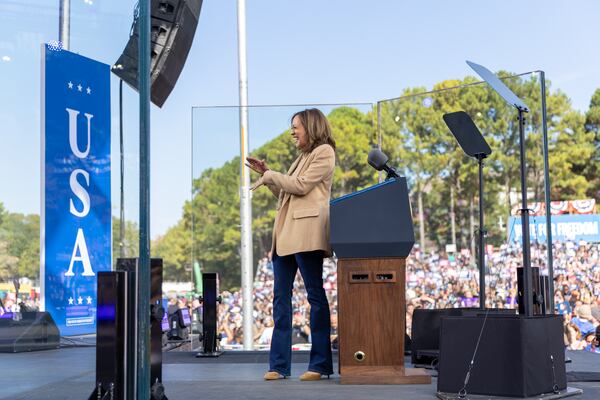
(256, 165)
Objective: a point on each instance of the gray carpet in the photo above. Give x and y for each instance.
(69, 374)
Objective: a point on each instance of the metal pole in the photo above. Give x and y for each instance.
(547, 195)
(482, 233)
(192, 249)
(122, 202)
(452, 214)
(379, 136)
(527, 280)
(245, 200)
(143, 337)
(64, 23)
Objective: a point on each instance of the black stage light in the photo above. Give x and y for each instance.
(173, 25)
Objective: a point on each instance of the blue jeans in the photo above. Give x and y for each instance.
(311, 268)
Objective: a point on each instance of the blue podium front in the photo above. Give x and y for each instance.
(375, 222)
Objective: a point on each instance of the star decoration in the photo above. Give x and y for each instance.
(88, 90)
(70, 85)
(79, 300)
(89, 300)
(71, 301)
(79, 87)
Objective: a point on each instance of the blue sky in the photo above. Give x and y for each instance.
(298, 53)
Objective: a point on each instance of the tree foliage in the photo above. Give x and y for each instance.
(19, 245)
(592, 126)
(419, 144)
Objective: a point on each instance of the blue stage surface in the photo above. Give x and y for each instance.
(68, 373)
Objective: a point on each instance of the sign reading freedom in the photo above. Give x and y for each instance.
(573, 227)
(75, 223)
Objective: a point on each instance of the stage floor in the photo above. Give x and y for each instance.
(69, 374)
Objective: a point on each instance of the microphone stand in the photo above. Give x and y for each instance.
(391, 172)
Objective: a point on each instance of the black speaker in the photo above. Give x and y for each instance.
(130, 266)
(173, 25)
(537, 286)
(425, 329)
(545, 295)
(29, 331)
(517, 356)
(210, 294)
(112, 335)
(425, 334)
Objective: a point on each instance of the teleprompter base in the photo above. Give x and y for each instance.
(382, 375)
(568, 392)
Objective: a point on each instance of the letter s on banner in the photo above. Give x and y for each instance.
(80, 192)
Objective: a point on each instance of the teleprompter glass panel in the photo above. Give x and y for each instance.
(215, 205)
(444, 187)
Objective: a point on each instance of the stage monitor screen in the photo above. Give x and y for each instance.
(164, 323)
(185, 317)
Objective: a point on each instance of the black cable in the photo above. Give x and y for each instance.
(462, 393)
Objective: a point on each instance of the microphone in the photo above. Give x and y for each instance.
(378, 160)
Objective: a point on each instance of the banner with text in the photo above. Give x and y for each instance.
(574, 227)
(75, 220)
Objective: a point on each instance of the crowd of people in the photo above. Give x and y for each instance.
(439, 280)
(230, 317)
(433, 280)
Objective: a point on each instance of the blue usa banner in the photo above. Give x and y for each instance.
(75, 223)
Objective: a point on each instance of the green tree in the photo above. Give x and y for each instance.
(592, 125)
(442, 180)
(211, 219)
(3, 213)
(19, 245)
(175, 250)
(353, 132)
(8, 263)
(131, 237)
(570, 149)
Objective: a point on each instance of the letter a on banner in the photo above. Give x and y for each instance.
(75, 223)
(80, 253)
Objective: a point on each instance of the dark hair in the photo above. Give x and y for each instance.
(317, 128)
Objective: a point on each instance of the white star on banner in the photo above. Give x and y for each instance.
(70, 85)
(79, 87)
(89, 300)
(88, 90)
(71, 301)
(79, 300)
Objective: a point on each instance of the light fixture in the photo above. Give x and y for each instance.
(6, 58)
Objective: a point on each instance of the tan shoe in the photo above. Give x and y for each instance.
(311, 376)
(273, 376)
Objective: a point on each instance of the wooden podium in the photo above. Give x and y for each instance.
(372, 233)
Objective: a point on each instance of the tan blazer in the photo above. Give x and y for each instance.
(302, 221)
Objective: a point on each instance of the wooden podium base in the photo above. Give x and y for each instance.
(371, 322)
(382, 375)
